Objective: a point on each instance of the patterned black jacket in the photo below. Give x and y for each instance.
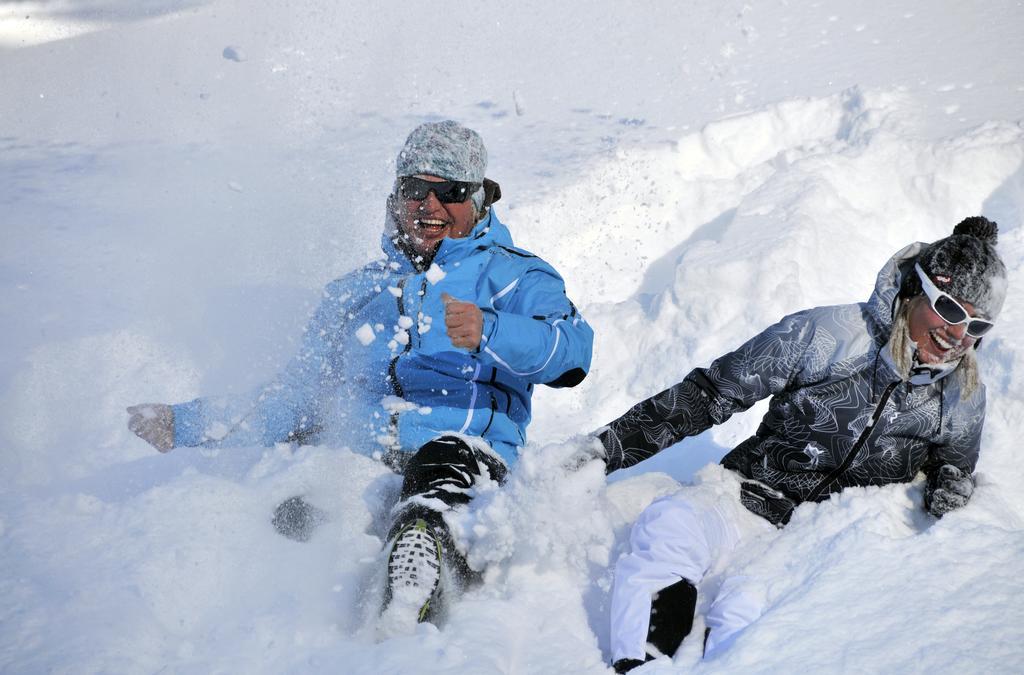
(839, 413)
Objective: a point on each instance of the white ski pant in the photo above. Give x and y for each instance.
(683, 536)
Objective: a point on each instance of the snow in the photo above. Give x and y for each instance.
(435, 273)
(365, 334)
(693, 172)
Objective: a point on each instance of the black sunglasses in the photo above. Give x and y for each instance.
(447, 191)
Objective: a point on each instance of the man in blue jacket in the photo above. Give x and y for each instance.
(426, 359)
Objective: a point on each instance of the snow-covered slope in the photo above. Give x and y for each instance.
(178, 179)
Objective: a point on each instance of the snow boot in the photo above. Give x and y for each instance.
(626, 665)
(672, 610)
(413, 578)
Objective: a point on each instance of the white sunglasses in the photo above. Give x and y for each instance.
(949, 310)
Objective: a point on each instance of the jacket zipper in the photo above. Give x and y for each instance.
(393, 366)
(838, 471)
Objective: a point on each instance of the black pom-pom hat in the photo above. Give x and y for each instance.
(967, 266)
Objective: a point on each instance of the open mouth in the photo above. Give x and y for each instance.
(431, 226)
(942, 347)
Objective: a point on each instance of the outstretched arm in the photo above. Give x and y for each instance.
(765, 365)
(286, 409)
(656, 423)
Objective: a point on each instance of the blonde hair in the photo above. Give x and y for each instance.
(903, 348)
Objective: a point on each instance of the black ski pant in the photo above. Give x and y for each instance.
(438, 478)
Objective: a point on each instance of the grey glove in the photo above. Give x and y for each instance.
(948, 489)
(153, 423)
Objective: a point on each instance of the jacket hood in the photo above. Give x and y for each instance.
(488, 232)
(881, 306)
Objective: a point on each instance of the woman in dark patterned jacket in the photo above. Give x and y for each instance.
(861, 394)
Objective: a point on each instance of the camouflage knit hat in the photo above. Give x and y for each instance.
(447, 150)
(967, 266)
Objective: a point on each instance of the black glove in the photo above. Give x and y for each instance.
(587, 450)
(948, 488)
(767, 502)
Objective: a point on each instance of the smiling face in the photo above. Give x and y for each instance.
(937, 341)
(427, 221)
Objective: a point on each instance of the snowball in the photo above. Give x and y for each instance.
(394, 404)
(517, 101)
(435, 273)
(365, 334)
(217, 431)
(232, 53)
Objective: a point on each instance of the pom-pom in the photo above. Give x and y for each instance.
(979, 227)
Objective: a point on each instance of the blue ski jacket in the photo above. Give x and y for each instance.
(377, 372)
